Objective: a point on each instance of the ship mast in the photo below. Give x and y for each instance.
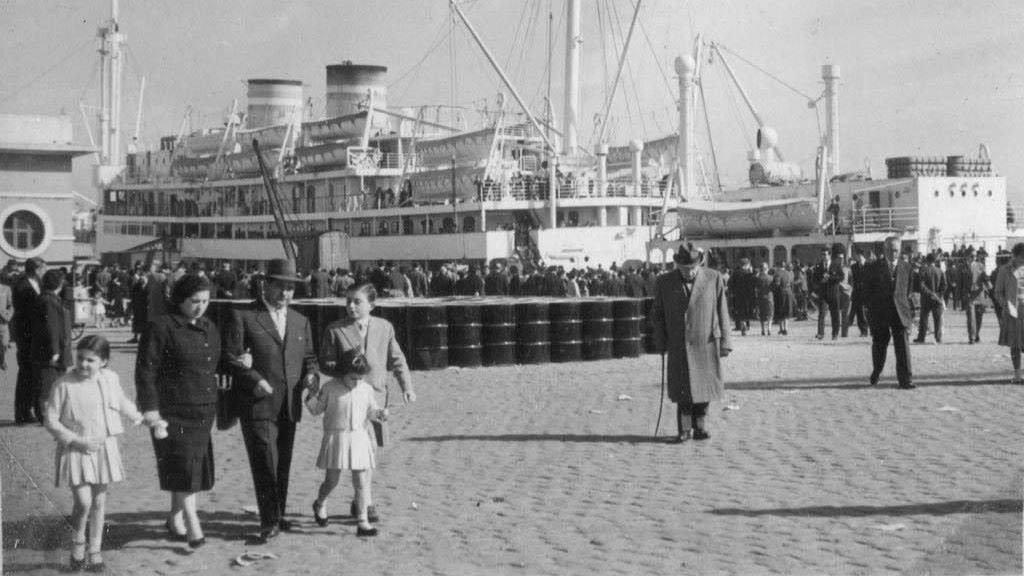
(111, 61)
(572, 77)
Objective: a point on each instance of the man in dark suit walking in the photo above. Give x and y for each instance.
(24, 295)
(50, 348)
(887, 295)
(268, 395)
(932, 284)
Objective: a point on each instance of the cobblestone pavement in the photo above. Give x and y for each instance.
(550, 470)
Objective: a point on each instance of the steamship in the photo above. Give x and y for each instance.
(369, 183)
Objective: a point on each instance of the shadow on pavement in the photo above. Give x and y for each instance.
(127, 527)
(933, 509)
(596, 438)
(857, 383)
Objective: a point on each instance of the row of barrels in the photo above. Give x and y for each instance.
(471, 332)
(909, 166)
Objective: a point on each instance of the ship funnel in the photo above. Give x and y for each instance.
(273, 102)
(350, 87)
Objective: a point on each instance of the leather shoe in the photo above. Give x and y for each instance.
(363, 532)
(269, 533)
(873, 380)
(700, 434)
(197, 543)
(907, 386)
(174, 534)
(320, 520)
(285, 525)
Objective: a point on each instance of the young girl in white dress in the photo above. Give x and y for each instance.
(83, 413)
(348, 405)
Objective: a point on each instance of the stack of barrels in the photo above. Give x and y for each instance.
(436, 333)
(960, 166)
(911, 166)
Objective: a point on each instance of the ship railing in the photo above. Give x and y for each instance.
(870, 220)
(518, 131)
(372, 159)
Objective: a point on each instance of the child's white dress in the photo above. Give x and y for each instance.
(347, 443)
(80, 407)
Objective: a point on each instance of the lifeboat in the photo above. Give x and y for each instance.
(755, 218)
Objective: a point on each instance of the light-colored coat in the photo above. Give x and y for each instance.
(64, 410)
(382, 351)
(697, 337)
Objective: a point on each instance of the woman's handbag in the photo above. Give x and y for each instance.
(380, 427)
(227, 415)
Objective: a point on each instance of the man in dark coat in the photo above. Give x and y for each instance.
(932, 285)
(51, 338)
(268, 396)
(857, 296)
(23, 296)
(226, 280)
(496, 282)
(320, 284)
(420, 286)
(743, 286)
(887, 294)
(690, 318)
(442, 284)
(826, 277)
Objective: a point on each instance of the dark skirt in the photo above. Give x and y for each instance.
(785, 305)
(765, 308)
(184, 460)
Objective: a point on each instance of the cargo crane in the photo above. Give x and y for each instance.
(276, 206)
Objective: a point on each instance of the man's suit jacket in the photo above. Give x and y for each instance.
(932, 284)
(51, 332)
(881, 292)
(23, 297)
(282, 363)
(381, 350)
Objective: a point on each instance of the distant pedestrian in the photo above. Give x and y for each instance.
(83, 413)
(691, 324)
(932, 285)
(887, 295)
(765, 299)
(975, 284)
(1009, 293)
(785, 301)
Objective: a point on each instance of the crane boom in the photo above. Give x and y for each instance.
(274, 199)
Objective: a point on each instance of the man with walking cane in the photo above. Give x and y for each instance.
(691, 325)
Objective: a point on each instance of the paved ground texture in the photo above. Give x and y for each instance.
(552, 470)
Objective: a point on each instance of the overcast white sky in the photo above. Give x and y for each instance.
(933, 78)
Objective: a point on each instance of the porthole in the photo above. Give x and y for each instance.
(25, 231)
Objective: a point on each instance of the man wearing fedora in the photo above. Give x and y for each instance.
(691, 324)
(268, 395)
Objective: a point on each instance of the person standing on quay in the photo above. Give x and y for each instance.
(932, 283)
(1009, 294)
(268, 395)
(24, 294)
(887, 295)
(690, 317)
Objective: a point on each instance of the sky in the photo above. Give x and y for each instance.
(930, 78)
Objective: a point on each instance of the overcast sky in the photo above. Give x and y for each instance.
(931, 78)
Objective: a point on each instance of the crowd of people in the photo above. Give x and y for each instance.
(265, 350)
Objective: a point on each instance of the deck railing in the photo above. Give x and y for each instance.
(868, 220)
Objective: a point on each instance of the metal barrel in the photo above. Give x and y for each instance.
(597, 329)
(428, 336)
(498, 333)
(627, 313)
(465, 346)
(647, 327)
(533, 339)
(566, 331)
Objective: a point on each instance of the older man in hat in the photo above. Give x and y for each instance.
(691, 324)
(268, 395)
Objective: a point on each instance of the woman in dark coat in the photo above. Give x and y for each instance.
(743, 286)
(785, 299)
(139, 294)
(176, 382)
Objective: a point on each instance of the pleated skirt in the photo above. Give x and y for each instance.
(346, 450)
(76, 467)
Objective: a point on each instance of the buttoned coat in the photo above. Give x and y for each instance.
(282, 363)
(880, 291)
(699, 330)
(382, 351)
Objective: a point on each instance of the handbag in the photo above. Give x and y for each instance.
(227, 414)
(380, 428)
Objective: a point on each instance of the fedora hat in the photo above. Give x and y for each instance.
(282, 269)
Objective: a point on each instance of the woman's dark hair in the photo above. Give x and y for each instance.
(1018, 249)
(366, 288)
(52, 279)
(188, 285)
(96, 344)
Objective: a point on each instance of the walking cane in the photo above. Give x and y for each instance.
(661, 403)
